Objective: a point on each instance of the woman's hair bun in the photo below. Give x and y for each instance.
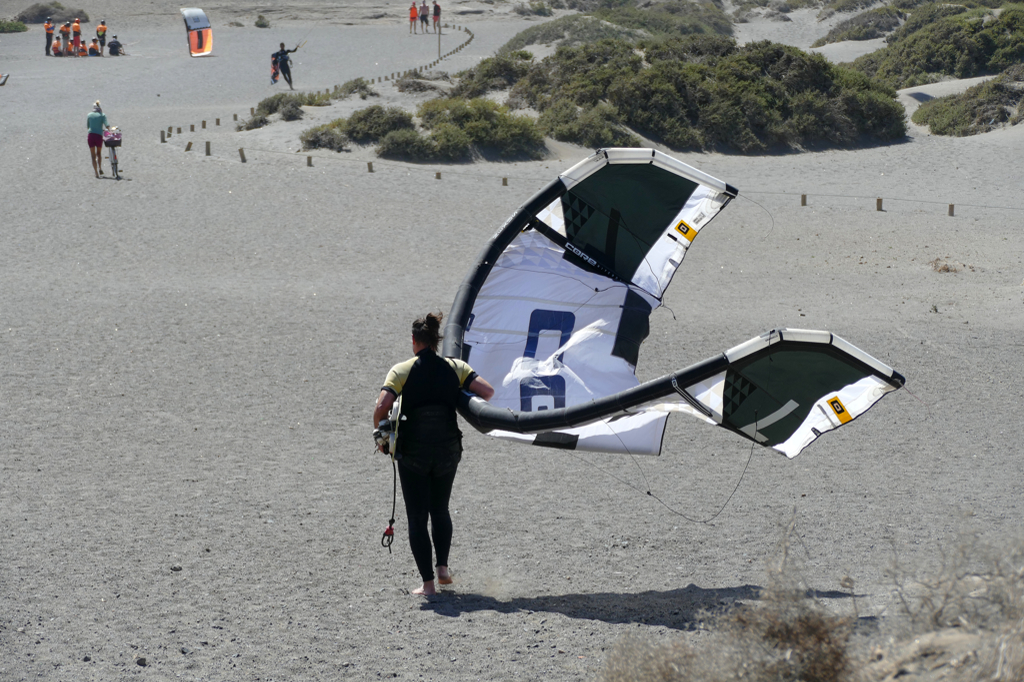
(427, 330)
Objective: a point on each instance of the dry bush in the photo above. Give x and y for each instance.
(787, 636)
(947, 265)
(970, 611)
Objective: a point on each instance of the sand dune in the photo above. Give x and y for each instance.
(189, 359)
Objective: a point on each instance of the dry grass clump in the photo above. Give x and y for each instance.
(356, 86)
(947, 265)
(787, 636)
(37, 13)
(970, 612)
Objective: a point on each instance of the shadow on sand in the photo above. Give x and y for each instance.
(680, 609)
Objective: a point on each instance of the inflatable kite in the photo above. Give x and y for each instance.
(557, 305)
(200, 35)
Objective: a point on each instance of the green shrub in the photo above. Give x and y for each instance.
(670, 19)
(356, 86)
(326, 136)
(488, 126)
(494, 73)
(37, 13)
(256, 121)
(291, 111)
(596, 127)
(262, 22)
(704, 92)
(374, 123)
(451, 142)
(941, 40)
(533, 9)
(868, 25)
(574, 29)
(274, 103)
(980, 109)
(12, 26)
(406, 144)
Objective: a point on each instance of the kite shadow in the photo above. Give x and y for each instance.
(679, 609)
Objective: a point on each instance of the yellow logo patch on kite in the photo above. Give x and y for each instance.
(688, 232)
(840, 410)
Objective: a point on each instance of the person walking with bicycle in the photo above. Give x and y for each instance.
(96, 122)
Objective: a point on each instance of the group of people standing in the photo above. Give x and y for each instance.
(69, 42)
(421, 15)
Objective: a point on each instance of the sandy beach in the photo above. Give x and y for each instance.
(189, 359)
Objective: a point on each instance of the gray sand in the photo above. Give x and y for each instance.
(189, 359)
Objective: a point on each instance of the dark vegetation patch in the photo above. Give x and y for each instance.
(539, 9)
(454, 129)
(627, 20)
(595, 127)
(12, 26)
(994, 104)
(942, 40)
(253, 122)
(705, 92)
(326, 136)
(874, 23)
(262, 22)
(372, 124)
(356, 86)
(575, 29)
(37, 13)
(494, 73)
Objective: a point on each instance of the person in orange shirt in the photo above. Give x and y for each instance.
(94, 49)
(413, 17)
(65, 35)
(76, 32)
(101, 34)
(48, 27)
(83, 51)
(57, 52)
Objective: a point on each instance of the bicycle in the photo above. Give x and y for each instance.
(112, 140)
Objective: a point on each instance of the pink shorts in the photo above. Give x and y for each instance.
(95, 140)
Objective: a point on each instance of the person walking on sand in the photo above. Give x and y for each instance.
(282, 64)
(48, 27)
(412, 17)
(424, 13)
(96, 122)
(437, 17)
(429, 445)
(76, 32)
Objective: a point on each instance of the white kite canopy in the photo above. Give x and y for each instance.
(557, 305)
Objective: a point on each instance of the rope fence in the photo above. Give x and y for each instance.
(374, 166)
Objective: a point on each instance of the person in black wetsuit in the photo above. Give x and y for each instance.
(283, 64)
(429, 445)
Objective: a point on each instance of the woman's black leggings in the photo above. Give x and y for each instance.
(427, 494)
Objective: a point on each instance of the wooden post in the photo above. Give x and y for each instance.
(504, 182)
(204, 125)
(241, 153)
(218, 121)
(179, 131)
(309, 161)
(236, 116)
(803, 199)
(162, 138)
(951, 210)
(437, 175)
(207, 147)
(169, 129)
(192, 128)
(878, 204)
(188, 147)
(252, 111)
(369, 166)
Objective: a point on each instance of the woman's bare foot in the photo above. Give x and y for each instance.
(427, 589)
(444, 576)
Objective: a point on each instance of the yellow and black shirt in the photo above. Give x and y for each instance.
(429, 386)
